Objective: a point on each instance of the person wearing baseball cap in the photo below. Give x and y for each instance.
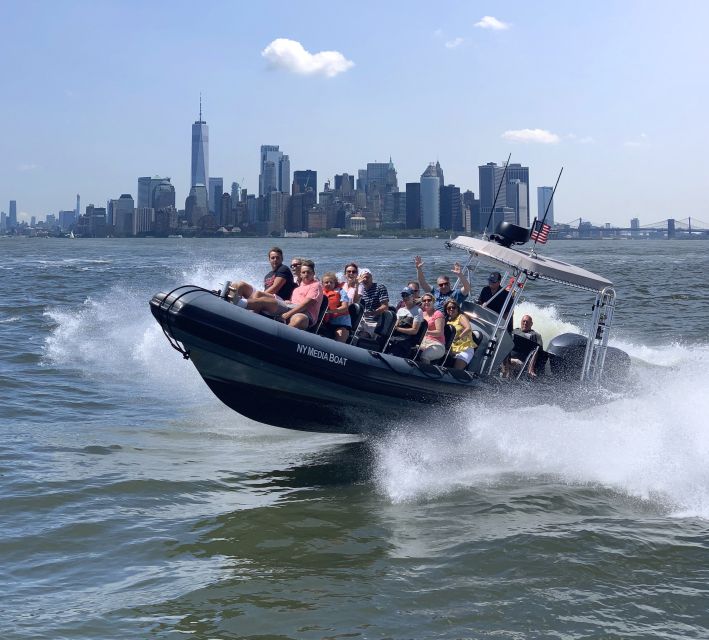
(493, 296)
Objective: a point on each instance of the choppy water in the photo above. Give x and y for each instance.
(135, 505)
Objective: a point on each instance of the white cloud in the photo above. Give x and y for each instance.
(488, 22)
(640, 141)
(581, 140)
(541, 136)
(438, 33)
(290, 55)
(456, 42)
(27, 166)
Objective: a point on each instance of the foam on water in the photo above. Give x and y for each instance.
(652, 444)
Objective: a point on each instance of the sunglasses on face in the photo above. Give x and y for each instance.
(351, 271)
(444, 284)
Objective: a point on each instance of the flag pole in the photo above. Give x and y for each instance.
(548, 205)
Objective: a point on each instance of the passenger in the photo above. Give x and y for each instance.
(301, 311)
(278, 281)
(413, 286)
(444, 290)
(463, 347)
(337, 323)
(433, 343)
(306, 299)
(408, 320)
(375, 300)
(351, 284)
(525, 330)
(295, 264)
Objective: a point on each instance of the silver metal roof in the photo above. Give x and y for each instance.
(533, 265)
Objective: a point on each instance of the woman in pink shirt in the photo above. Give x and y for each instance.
(433, 343)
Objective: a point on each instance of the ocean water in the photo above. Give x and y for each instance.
(135, 505)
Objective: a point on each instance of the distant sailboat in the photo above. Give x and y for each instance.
(71, 235)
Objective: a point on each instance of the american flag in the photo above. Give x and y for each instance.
(540, 232)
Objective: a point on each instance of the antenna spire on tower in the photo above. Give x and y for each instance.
(200, 106)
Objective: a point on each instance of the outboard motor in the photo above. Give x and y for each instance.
(508, 234)
(567, 352)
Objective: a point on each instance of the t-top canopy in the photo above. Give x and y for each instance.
(532, 265)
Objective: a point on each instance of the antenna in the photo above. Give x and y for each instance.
(200, 106)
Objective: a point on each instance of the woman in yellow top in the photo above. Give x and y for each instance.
(463, 348)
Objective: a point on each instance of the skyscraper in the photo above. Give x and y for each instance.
(517, 194)
(162, 195)
(439, 173)
(12, 217)
(381, 177)
(513, 194)
(200, 151)
(344, 182)
(216, 189)
(413, 205)
(490, 178)
(543, 199)
(430, 198)
(77, 211)
(147, 189)
(278, 178)
(304, 180)
(451, 208)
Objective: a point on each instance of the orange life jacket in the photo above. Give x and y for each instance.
(334, 300)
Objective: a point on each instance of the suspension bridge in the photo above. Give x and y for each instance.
(670, 228)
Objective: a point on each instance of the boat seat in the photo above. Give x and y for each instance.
(356, 313)
(314, 328)
(385, 327)
(414, 341)
(524, 350)
(449, 336)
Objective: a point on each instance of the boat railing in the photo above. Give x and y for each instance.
(598, 334)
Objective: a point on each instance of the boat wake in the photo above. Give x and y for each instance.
(651, 445)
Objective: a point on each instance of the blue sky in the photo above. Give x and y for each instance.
(95, 94)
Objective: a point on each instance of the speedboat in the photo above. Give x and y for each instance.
(287, 377)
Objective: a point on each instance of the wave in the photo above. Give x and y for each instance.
(652, 446)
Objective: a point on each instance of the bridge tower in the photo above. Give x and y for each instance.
(670, 228)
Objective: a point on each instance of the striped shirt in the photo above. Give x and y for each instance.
(373, 298)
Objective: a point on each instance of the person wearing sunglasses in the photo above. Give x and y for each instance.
(408, 320)
(295, 265)
(444, 290)
(351, 283)
(412, 286)
(433, 343)
(464, 344)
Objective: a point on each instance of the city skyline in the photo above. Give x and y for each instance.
(621, 109)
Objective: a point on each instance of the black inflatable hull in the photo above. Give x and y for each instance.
(290, 378)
